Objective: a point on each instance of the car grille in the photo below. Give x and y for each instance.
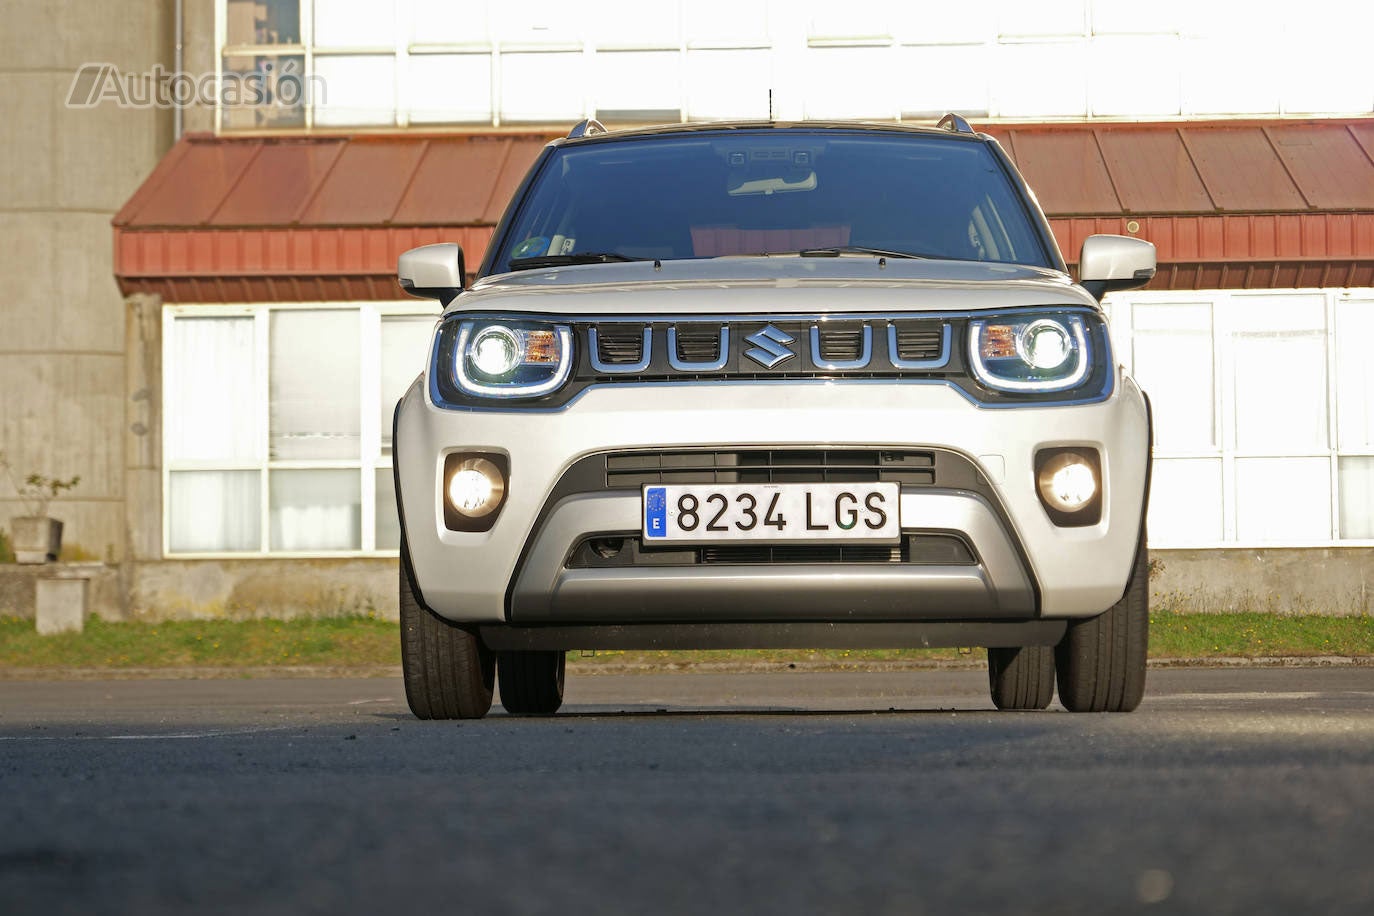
(913, 549)
(784, 347)
(636, 469)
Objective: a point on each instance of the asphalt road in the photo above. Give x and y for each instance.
(1248, 791)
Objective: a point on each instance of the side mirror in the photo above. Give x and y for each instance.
(1115, 262)
(432, 272)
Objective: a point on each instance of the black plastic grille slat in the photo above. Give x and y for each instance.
(635, 469)
(794, 554)
(919, 341)
(924, 549)
(841, 344)
(620, 344)
(698, 345)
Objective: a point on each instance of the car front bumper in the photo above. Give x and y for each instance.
(1027, 568)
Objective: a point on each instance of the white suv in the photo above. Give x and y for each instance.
(773, 385)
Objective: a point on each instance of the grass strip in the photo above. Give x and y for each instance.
(369, 641)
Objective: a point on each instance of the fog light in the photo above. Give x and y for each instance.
(476, 488)
(1069, 481)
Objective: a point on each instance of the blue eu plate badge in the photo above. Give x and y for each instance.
(655, 512)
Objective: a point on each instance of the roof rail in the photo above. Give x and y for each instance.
(955, 124)
(587, 128)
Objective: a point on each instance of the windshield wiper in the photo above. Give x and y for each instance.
(563, 260)
(835, 251)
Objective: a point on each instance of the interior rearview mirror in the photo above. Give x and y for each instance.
(432, 271)
(1109, 263)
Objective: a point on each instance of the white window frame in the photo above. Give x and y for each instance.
(370, 460)
(1225, 303)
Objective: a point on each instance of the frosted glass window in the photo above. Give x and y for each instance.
(727, 23)
(405, 351)
(357, 90)
(450, 22)
(449, 88)
(945, 23)
(262, 22)
(927, 89)
(1041, 79)
(1355, 374)
(636, 24)
(542, 87)
(315, 402)
(355, 23)
(1279, 352)
(539, 23)
(388, 523)
(1172, 357)
(1185, 502)
(214, 511)
(1357, 497)
(851, 83)
(1231, 76)
(265, 91)
(856, 19)
(1134, 17)
(316, 510)
(1043, 18)
(728, 84)
(1118, 85)
(639, 85)
(1283, 500)
(210, 411)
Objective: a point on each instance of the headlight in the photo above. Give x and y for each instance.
(1033, 353)
(511, 359)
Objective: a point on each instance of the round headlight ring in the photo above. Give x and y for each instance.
(496, 351)
(1044, 344)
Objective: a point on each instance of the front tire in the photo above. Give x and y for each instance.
(1101, 660)
(1021, 677)
(531, 681)
(448, 673)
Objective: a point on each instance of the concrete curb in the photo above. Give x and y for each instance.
(584, 668)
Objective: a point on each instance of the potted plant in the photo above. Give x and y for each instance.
(36, 537)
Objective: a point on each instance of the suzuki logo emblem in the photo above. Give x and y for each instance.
(770, 346)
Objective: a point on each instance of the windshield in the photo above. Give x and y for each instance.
(770, 191)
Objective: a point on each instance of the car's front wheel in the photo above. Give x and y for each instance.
(1101, 660)
(449, 673)
(531, 681)
(1021, 677)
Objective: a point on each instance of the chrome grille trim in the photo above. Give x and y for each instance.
(863, 359)
(762, 346)
(939, 362)
(684, 365)
(645, 353)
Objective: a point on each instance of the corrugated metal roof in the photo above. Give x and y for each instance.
(1227, 203)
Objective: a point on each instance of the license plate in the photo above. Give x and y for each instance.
(801, 513)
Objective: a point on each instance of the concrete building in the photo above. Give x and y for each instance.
(219, 368)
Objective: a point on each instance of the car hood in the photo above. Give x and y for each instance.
(772, 284)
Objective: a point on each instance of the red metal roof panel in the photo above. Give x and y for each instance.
(1326, 161)
(1241, 170)
(1066, 170)
(278, 182)
(366, 183)
(465, 180)
(1152, 171)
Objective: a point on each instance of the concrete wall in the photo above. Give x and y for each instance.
(1318, 580)
(63, 174)
(19, 585)
(245, 589)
